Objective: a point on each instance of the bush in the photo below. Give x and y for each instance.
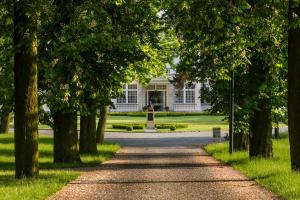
(128, 127)
(141, 126)
(138, 126)
(173, 128)
(168, 126)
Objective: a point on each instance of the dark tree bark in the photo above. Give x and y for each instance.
(5, 120)
(276, 132)
(65, 137)
(294, 85)
(261, 131)
(26, 91)
(240, 142)
(101, 125)
(87, 142)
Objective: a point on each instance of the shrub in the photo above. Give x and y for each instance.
(168, 126)
(138, 126)
(129, 128)
(173, 128)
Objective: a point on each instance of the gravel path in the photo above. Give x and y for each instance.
(162, 166)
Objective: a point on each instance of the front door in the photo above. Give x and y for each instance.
(157, 100)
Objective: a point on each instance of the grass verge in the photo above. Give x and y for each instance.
(52, 176)
(275, 174)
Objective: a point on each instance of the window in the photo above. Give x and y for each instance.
(129, 95)
(185, 95)
(132, 96)
(179, 96)
(190, 96)
(132, 87)
(122, 98)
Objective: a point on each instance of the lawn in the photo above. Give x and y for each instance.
(195, 123)
(275, 174)
(52, 176)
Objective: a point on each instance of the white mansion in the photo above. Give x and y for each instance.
(163, 96)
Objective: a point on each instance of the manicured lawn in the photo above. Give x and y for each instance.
(195, 123)
(52, 176)
(275, 174)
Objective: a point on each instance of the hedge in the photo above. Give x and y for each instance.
(130, 127)
(160, 114)
(171, 125)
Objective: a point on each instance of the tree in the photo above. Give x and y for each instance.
(26, 92)
(294, 83)
(218, 37)
(101, 124)
(87, 142)
(6, 65)
(93, 49)
(58, 68)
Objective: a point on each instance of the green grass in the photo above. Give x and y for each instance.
(52, 176)
(275, 174)
(195, 123)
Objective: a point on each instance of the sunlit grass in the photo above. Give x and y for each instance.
(195, 123)
(52, 176)
(275, 174)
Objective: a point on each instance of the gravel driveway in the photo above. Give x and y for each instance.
(162, 166)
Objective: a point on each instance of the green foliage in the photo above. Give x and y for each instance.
(249, 38)
(195, 123)
(128, 127)
(171, 126)
(6, 57)
(92, 48)
(140, 126)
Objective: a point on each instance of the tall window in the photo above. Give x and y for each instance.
(185, 95)
(129, 94)
(179, 96)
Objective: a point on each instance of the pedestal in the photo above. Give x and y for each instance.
(150, 122)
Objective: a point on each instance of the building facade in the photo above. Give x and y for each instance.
(163, 96)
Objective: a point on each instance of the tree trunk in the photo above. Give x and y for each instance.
(261, 131)
(5, 120)
(101, 125)
(276, 132)
(26, 91)
(294, 85)
(240, 142)
(87, 142)
(65, 137)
